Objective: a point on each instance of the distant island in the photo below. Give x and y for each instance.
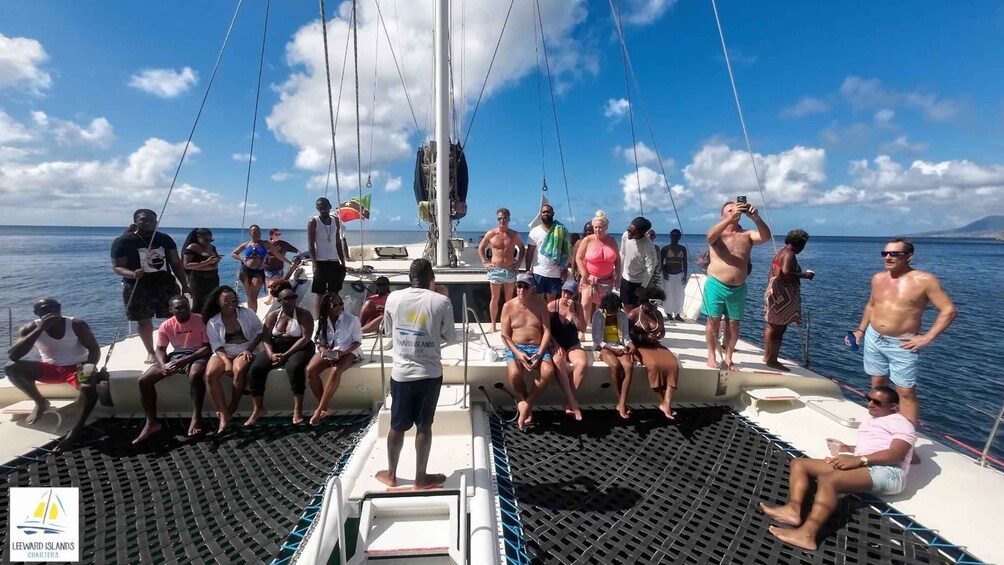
(987, 227)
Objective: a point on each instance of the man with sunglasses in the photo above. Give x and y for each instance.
(891, 325)
(65, 345)
(501, 265)
(878, 464)
(527, 339)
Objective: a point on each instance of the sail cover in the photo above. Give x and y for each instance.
(425, 166)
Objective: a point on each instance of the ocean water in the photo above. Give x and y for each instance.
(965, 366)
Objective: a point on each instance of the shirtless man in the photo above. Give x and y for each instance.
(526, 338)
(725, 287)
(890, 326)
(502, 266)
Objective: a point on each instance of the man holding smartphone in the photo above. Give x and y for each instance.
(725, 287)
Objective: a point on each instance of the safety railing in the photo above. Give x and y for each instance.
(985, 454)
(464, 391)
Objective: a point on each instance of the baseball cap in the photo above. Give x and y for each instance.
(570, 286)
(525, 278)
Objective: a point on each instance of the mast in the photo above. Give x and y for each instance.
(442, 41)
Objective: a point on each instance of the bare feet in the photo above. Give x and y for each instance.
(575, 413)
(783, 514)
(668, 411)
(794, 537)
(195, 427)
(40, 408)
(68, 441)
(148, 430)
(731, 365)
(297, 418)
(776, 365)
(524, 413)
(491, 331)
(712, 362)
(255, 414)
(318, 416)
(150, 359)
(387, 478)
(624, 411)
(224, 420)
(430, 481)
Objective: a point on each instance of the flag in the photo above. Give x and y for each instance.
(354, 209)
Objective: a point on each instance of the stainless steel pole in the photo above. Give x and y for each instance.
(992, 436)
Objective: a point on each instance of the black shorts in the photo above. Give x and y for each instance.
(328, 277)
(150, 299)
(628, 296)
(245, 275)
(179, 353)
(414, 403)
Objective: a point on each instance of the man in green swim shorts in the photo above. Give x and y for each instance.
(725, 287)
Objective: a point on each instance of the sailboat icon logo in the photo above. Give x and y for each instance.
(47, 517)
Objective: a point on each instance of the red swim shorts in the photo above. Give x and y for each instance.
(55, 374)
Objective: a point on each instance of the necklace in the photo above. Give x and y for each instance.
(327, 228)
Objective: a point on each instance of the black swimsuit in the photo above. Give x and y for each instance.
(565, 334)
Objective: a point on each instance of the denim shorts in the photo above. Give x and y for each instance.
(884, 357)
(887, 479)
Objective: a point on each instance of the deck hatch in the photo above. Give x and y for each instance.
(609, 491)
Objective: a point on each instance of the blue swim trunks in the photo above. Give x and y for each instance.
(720, 298)
(270, 274)
(501, 275)
(883, 356)
(887, 479)
(529, 349)
(547, 285)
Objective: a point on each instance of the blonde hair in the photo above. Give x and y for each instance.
(602, 217)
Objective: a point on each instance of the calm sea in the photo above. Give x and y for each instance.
(963, 367)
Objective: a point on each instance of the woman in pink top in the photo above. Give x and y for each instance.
(598, 261)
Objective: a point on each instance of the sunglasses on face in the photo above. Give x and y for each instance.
(337, 304)
(289, 297)
(894, 253)
(228, 301)
(523, 286)
(873, 400)
(503, 218)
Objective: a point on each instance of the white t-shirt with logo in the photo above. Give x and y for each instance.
(542, 264)
(421, 323)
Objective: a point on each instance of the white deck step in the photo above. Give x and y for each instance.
(407, 525)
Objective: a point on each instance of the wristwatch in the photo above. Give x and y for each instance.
(864, 461)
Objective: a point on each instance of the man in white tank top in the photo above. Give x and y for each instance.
(65, 345)
(327, 248)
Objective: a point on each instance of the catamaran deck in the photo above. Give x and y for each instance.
(947, 492)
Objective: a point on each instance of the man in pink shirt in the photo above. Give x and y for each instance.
(186, 333)
(879, 465)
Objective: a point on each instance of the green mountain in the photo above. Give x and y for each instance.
(989, 227)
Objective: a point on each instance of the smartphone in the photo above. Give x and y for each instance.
(740, 200)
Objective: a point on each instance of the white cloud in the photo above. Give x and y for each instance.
(902, 145)
(243, 157)
(644, 12)
(806, 106)
(99, 134)
(865, 94)
(20, 59)
(165, 83)
(654, 195)
(884, 117)
(789, 177)
(11, 131)
(923, 187)
(845, 138)
(646, 155)
(393, 183)
(300, 118)
(616, 108)
(280, 176)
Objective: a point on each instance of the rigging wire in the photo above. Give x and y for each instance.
(254, 121)
(331, 105)
(742, 121)
(338, 111)
(177, 170)
(488, 74)
(463, 64)
(376, 67)
(627, 90)
(359, 144)
(540, 107)
(393, 55)
(554, 111)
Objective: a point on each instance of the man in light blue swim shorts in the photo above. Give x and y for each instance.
(878, 464)
(724, 289)
(500, 250)
(526, 333)
(890, 329)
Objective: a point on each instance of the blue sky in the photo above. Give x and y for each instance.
(866, 118)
